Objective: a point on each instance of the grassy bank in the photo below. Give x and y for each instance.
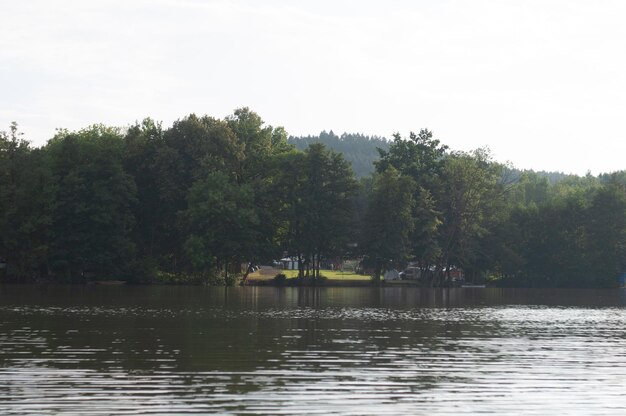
(331, 276)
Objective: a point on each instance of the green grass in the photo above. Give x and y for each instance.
(330, 274)
(339, 275)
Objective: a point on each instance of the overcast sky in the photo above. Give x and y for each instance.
(541, 83)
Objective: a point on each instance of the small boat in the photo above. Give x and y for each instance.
(474, 286)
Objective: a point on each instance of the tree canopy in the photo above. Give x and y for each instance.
(208, 197)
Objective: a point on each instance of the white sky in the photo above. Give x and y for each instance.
(542, 83)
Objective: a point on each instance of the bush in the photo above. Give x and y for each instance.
(230, 280)
(321, 280)
(280, 279)
(142, 271)
(306, 281)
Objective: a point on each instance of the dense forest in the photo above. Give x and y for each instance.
(195, 201)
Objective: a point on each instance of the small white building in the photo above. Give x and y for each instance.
(289, 263)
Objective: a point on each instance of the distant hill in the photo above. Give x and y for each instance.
(358, 149)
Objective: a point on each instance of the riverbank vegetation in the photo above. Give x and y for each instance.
(193, 202)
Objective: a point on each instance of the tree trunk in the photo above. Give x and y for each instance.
(377, 271)
(319, 263)
(245, 275)
(300, 266)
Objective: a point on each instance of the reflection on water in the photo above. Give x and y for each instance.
(135, 350)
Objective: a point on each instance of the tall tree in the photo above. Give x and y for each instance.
(317, 188)
(25, 202)
(143, 150)
(331, 188)
(425, 248)
(422, 158)
(222, 223)
(606, 235)
(237, 152)
(92, 216)
(389, 221)
(467, 203)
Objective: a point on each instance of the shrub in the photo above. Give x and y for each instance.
(280, 279)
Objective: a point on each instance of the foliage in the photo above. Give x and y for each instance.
(193, 202)
(221, 221)
(92, 212)
(419, 157)
(25, 207)
(469, 201)
(318, 189)
(389, 222)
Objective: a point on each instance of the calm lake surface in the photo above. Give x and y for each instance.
(259, 350)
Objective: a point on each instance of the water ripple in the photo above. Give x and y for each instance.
(240, 358)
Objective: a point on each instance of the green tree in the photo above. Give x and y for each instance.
(289, 189)
(330, 189)
(222, 223)
(470, 197)
(257, 141)
(316, 189)
(92, 216)
(389, 221)
(425, 248)
(241, 151)
(264, 147)
(25, 201)
(143, 160)
(422, 158)
(419, 157)
(606, 235)
(193, 147)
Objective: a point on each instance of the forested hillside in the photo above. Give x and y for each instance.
(362, 152)
(195, 201)
(359, 150)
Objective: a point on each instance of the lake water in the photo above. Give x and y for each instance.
(350, 351)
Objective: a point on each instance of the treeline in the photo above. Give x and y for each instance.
(193, 201)
(198, 200)
(448, 209)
